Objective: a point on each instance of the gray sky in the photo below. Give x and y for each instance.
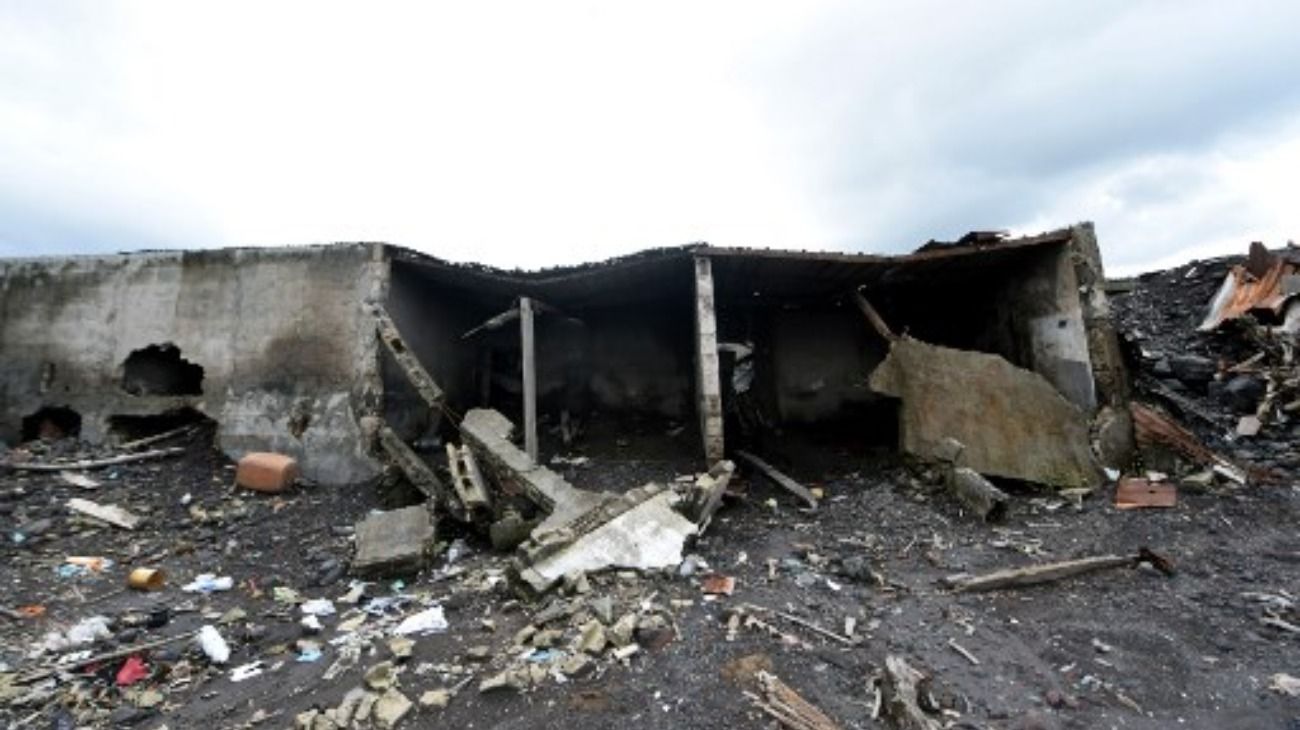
(530, 134)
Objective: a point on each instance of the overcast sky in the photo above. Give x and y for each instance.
(539, 133)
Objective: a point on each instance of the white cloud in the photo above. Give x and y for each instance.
(528, 134)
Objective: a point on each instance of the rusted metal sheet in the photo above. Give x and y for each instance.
(1256, 285)
(1155, 429)
(1135, 493)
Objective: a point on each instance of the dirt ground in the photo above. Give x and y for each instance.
(1120, 648)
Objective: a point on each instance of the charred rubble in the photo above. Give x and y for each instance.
(583, 434)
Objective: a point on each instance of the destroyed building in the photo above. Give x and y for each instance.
(1002, 344)
(692, 488)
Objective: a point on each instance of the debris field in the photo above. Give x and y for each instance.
(991, 539)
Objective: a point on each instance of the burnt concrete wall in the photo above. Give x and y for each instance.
(641, 358)
(1039, 304)
(283, 336)
(432, 319)
(820, 361)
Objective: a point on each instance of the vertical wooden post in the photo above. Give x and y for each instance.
(529, 347)
(708, 383)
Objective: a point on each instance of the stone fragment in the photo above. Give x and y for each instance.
(390, 708)
(436, 699)
(592, 637)
(620, 634)
(401, 647)
(381, 676)
(603, 608)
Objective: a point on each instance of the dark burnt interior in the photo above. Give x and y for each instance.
(160, 370)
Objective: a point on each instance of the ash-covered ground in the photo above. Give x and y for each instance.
(1121, 648)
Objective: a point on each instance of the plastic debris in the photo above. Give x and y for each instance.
(318, 607)
(209, 583)
(213, 645)
(429, 621)
(245, 671)
(133, 670)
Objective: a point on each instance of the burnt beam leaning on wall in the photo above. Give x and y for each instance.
(873, 317)
(406, 360)
(708, 383)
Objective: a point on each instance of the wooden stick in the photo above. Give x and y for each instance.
(804, 623)
(781, 479)
(1048, 572)
(99, 463)
(964, 652)
(147, 440)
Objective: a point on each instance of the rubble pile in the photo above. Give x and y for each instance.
(992, 574)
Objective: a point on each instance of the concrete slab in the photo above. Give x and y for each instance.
(1012, 421)
(649, 536)
(393, 542)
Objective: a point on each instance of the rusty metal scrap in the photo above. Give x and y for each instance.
(1257, 285)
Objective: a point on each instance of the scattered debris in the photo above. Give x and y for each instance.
(775, 698)
(901, 694)
(110, 513)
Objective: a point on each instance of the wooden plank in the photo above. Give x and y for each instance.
(1048, 572)
(781, 479)
(420, 379)
(528, 346)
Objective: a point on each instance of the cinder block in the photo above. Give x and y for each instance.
(266, 472)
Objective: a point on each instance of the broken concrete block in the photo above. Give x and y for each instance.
(648, 536)
(266, 472)
(418, 473)
(1012, 422)
(488, 433)
(394, 542)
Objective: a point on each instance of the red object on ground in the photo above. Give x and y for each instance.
(266, 472)
(133, 670)
(1134, 493)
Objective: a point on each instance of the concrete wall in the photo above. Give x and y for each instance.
(1039, 302)
(279, 333)
(820, 361)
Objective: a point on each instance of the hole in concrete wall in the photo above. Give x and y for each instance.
(51, 423)
(130, 428)
(160, 370)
